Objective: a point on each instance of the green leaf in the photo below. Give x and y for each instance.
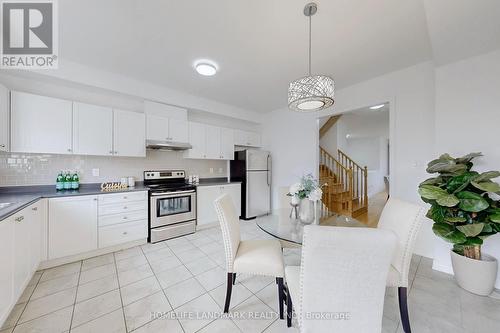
(432, 181)
(471, 202)
(471, 230)
(473, 241)
(457, 219)
(448, 233)
(448, 200)
(431, 192)
(488, 175)
(488, 186)
(495, 218)
(458, 183)
(467, 158)
(437, 213)
(446, 166)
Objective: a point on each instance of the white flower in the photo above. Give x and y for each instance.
(315, 194)
(295, 188)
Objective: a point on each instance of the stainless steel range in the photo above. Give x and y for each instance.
(172, 204)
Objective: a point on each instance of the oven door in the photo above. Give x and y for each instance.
(171, 208)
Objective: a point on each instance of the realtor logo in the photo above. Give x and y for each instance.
(29, 34)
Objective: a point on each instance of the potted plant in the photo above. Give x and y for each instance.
(465, 210)
(307, 191)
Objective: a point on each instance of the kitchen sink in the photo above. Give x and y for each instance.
(5, 204)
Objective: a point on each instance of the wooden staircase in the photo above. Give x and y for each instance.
(346, 190)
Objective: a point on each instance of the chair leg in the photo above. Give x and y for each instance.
(234, 279)
(403, 309)
(228, 291)
(289, 310)
(280, 295)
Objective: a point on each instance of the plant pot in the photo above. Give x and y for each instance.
(475, 276)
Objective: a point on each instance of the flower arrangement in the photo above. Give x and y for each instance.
(308, 187)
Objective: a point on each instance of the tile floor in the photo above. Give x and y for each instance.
(184, 279)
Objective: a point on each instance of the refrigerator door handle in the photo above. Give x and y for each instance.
(268, 169)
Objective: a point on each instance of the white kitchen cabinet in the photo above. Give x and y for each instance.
(247, 138)
(72, 225)
(166, 129)
(178, 130)
(213, 142)
(92, 129)
(210, 142)
(156, 127)
(7, 298)
(206, 196)
(23, 236)
(227, 143)
(40, 124)
(129, 133)
(4, 118)
(197, 139)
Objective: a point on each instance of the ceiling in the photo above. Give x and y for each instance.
(260, 46)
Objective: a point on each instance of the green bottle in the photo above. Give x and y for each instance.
(67, 181)
(60, 181)
(75, 181)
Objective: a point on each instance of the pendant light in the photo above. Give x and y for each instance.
(312, 92)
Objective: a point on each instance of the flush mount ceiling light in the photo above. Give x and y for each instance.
(376, 107)
(205, 68)
(312, 92)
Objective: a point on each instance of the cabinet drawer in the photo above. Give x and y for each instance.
(105, 199)
(124, 207)
(123, 218)
(122, 233)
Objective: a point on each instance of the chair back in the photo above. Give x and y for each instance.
(230, 225)
(342, 279)
(404, 219)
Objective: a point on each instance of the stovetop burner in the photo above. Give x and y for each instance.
(167, 181)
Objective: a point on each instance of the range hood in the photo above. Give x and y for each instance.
(167, 145)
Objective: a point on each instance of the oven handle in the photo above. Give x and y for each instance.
(171, 193)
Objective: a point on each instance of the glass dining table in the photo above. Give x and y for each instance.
(280, 225)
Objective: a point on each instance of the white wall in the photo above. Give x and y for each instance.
(329, 140)
(468, 120)
(294, 138)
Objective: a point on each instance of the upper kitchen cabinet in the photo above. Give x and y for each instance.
(210, 142)
(166, 122)
(247, 138)
(129, 133)
(197, 139)
(160, 128)
(4, 118)
(92, 129)
(40, 124)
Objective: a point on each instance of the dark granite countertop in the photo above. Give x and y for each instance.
(215, 181)
(23, 196)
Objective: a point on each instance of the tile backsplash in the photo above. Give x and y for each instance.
(42, 169)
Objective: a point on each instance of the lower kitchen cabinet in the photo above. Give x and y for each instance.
(20, 254)
(72, 225)
(205, 200)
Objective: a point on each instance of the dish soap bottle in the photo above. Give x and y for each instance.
(75, 181)
(60, 181)
(67, 181)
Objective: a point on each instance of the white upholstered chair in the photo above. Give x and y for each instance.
(404, 219)
(254, 257)
(340, 284)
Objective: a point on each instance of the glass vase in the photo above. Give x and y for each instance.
(306, 211)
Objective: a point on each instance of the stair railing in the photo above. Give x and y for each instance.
(339, 178)
(359, 178)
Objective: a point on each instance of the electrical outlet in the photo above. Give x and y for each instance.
(211, 170)
(95, 172)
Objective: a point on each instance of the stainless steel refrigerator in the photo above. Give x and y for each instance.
(253, 168)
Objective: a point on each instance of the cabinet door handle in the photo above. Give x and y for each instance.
(116, 152)
(111, 152)
(2, 145)
(125, 217)
(19, 219)
(34, 209)
(69, 149)
(125, 233)
(125, 198)
(95, 199)
(125, 207)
